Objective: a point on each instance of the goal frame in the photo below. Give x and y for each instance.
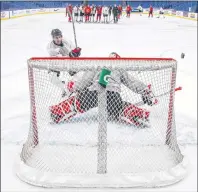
(32, 96)
(101, 178)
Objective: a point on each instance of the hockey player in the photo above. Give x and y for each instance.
(81, 10)
(110, 10)
(87, 13)
(66, 11)
(161, 13)
(62, 47)
(99, 12)
(128, 10)
(115, 13)
(93, 13)
(86, 98)
(119, 11)
(140, 9)
(150, 11)
(69, 10)
(75, 13)
(105, 11)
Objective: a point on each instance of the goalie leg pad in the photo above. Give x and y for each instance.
(135, 115)
(65, 110)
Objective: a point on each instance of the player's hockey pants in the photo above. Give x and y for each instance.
(98, 17)
(128, 14)
(151, 14)
(115, 18)
(87, 17)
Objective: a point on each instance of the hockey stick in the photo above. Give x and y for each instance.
(142, 103)
(74, 31)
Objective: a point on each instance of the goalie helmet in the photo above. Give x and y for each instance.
(114, 55)
(56, 32)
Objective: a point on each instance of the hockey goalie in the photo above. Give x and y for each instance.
(84, 96)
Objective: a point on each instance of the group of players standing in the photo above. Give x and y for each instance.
(102, 14)
(94, 14)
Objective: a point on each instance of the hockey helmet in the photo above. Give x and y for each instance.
(114, 55)
(56, 32)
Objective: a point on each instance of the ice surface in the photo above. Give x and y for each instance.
(136, 37)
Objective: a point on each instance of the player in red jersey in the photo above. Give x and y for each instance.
(119, 11)
(99, 12)
(69, 10)
(128, 10)
(150, 11)
(66, 11)
(87, 13)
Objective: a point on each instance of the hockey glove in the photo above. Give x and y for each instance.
(75, 52)
(148, 97)
(54, 71)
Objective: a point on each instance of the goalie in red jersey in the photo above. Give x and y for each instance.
(86, 93)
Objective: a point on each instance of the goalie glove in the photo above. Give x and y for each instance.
(148, 96)
(75, 52)
(54, 71)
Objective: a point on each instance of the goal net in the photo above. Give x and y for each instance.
(99, 127)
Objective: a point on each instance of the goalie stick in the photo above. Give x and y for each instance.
(142, 103)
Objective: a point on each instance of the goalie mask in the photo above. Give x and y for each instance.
(114, 55)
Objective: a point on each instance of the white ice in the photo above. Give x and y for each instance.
(27, 37)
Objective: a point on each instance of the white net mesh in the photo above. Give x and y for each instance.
(101, 135)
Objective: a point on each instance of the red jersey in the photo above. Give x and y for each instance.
(151, 9)
(119, 8)
(87, 10)
(128, 9)
(99, 10)
(70, 8)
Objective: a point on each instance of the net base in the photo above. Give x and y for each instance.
(152, 171)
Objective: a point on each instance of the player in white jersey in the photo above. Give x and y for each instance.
(86, 91)
(93, 13)
(81, 13)
(75, 10)
(62, 47)
(140, 9)
(161, 13)
(105, 12)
